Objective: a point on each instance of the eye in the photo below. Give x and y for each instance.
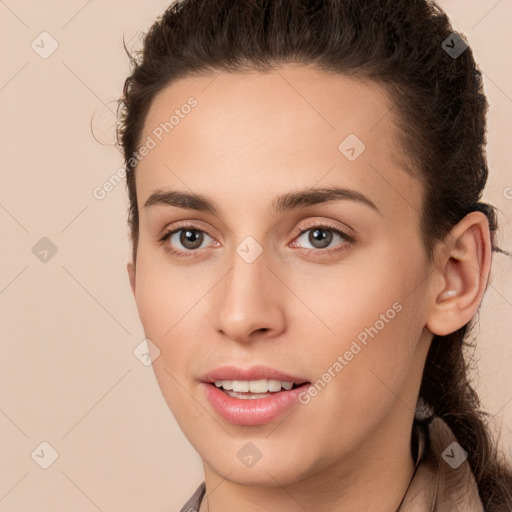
(321, 237)
(185, 239)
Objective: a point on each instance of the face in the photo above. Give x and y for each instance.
(269, 277)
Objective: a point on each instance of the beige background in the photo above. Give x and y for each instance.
(67, 370)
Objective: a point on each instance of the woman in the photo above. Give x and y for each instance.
(310, 249)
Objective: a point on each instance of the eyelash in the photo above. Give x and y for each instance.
(349, 240)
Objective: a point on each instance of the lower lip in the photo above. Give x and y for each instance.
(257, 411)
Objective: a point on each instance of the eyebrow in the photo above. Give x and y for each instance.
(284, 203)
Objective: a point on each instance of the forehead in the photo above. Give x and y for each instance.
(289, 127)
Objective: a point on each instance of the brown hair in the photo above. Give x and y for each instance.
(440, 110)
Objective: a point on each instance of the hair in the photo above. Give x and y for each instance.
(440, 113)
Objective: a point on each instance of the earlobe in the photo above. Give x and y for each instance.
(130, 267)
(464, 263)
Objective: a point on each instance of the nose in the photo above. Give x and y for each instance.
(250, 303)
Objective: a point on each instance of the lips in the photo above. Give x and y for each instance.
(249, 408)
(253, 373)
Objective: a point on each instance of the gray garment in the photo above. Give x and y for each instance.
(194, 502)
(442, 479)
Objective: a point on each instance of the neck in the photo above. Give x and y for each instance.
(373, 478)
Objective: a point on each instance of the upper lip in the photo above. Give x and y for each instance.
(253, 373)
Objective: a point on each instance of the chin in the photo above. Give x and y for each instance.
(268, 471)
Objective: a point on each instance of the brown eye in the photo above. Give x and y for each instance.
(185, 239)
(191, 238)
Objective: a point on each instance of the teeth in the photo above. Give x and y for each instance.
(258, 386)
(226, 384)
(254, 386)
(241, 386)
(274, 385)
(247, 396)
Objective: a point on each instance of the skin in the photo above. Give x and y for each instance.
(252, 137)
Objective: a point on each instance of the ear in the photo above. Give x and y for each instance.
(463, 263)
(130, 267)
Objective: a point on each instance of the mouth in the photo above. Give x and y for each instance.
(255, 389)
(253, 396)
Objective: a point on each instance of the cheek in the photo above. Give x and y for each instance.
(368, 321)
(171, 307)
(166, 293)
(160, 305)
(363, 297)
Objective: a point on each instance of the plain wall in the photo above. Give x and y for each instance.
(69, 325)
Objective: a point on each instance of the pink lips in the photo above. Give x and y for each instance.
(253, 373)
(251, 411)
